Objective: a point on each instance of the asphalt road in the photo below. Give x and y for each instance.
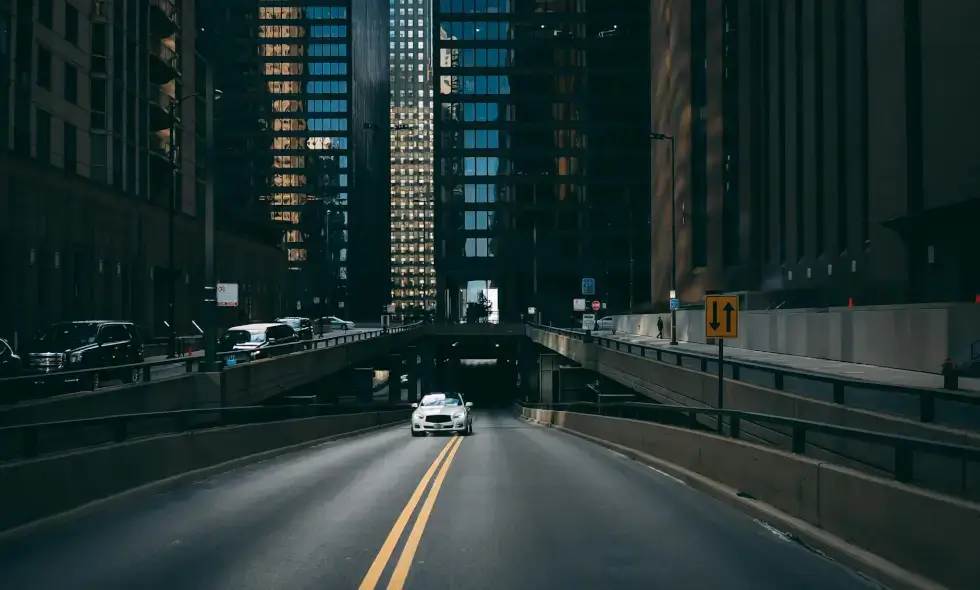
(513, 507)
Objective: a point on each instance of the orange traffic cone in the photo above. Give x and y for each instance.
(977, 298)
(850, 302)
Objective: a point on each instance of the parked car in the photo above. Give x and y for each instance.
(336, 323)
(65, 347)
(302, 326)
(605, 323)
(10, 363)
(255, 341)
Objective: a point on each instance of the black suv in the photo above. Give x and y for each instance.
(72, 346)
(302, 326)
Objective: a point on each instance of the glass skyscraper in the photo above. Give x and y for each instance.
(304, 53)
(413, 275)
(542, 154)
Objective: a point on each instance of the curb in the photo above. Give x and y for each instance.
(133, 495)
(836, 549)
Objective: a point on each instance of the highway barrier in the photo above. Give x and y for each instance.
(929, 535)
(49, 484)
(248, 382)
(670, 379)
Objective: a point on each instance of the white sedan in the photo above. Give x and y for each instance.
(442, 412)
(336, 323)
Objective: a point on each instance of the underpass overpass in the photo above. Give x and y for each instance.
(776, 462)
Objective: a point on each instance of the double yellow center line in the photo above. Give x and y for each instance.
(404, 563)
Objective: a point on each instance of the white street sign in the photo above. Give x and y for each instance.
(227, 294)
(578, 305)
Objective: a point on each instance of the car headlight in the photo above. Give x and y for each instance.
(76, 357)
(417, 416)
(458, 415)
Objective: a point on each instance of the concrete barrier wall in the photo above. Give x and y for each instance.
(36, 488)
(245, 384)
(192, 390)
(929, 534)
(915, 337)
(671, 384)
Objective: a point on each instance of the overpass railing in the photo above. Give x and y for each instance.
(42, 385)
(904, 448)
(27, 441)
(963, 408)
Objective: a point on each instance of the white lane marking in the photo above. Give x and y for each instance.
(773, 530)
(618, 454)
(665, 474)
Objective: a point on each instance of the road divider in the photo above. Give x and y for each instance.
(404, 564)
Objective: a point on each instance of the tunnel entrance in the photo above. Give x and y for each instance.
(488, 383)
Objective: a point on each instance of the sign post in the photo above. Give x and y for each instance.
(721, 322)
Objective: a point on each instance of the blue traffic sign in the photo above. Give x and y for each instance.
(675, 304)
(588, 286)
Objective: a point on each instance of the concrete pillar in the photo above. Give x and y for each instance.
(410, 360)
(548, 377)
(527, 366)
(426, 369)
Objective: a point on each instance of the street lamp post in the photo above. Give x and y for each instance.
(210, 278)
(673, 233)
(209, 324)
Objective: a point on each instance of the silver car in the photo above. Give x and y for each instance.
(442, 412)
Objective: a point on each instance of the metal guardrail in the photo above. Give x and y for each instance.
(904, 447)
(91, 379)
(27, 441)
(926, 396)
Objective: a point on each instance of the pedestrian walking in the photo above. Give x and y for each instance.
(660, 327)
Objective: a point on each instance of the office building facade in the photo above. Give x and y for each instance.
(541, 155)
(85, 175)
(311, 109)
(413, 274)
(820, 163)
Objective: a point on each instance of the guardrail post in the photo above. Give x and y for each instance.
(735, 371)
(189, 365)
(903, 464)
(30, 442)
(704, 365)
(927, 407)
(777, 381)
(838, 392)
(799, 440)
(147, 371)
(119, 430)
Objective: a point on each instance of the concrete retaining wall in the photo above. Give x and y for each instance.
(245, 384)
(670, 384)
(37, 488)
(926, 533)
(917, 338)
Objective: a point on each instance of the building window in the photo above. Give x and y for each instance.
(71, 148)
(45, 13)
(71, 83)
(42, 146)
(43, 77)
(71, 23)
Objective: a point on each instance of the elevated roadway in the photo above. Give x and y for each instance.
(513, 507)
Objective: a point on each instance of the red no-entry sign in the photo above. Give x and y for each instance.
(596, 305)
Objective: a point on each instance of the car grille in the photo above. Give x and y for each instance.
(438, 419)
(46, 361)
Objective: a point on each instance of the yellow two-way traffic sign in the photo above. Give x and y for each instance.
(721, 316)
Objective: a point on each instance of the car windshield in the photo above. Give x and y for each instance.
(233, 337)
(335, 319)
(440, 400)
(293, 323)
(66, 335)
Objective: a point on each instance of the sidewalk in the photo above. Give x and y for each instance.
(870, 373)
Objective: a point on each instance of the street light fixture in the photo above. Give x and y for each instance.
(673, 234)
(172, 157)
